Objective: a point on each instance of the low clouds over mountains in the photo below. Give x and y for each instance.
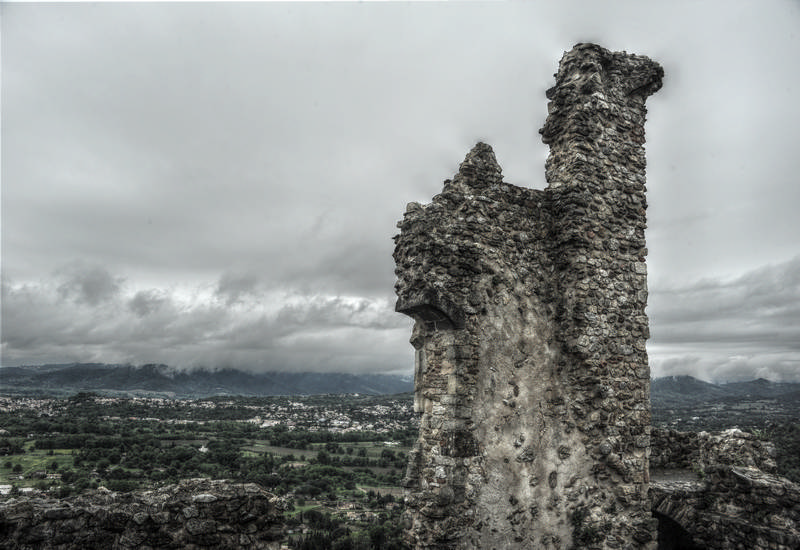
(88, 314)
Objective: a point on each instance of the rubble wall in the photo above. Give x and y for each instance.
(198, 514)
(531, 375)
(671, 449)
(723, 491)
(734, 507)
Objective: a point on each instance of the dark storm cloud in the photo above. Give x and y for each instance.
(147, 302)
(233, 287)
(222, 181)
(88, 284)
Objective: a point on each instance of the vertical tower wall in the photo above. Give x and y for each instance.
(596, 176)
(531, 372)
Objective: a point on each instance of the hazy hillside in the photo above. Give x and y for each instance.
(686, 403)
(160, 379)
(686, 391)
(680, 391)
(669, 393)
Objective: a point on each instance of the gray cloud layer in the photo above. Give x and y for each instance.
(730, 329)
(218, 183)
(87, 314)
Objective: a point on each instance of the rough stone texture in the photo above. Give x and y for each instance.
(725, 498)
(671, 449)
(194, 514)
(532, 378)
(733, 507)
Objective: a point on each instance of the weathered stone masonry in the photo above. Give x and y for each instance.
(532, 377)
(195, 514)
(736, 501)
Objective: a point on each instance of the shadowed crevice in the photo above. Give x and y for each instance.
(433, 309)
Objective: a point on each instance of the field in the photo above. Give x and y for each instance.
(77, 444)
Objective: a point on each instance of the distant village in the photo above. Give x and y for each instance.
(320, 415)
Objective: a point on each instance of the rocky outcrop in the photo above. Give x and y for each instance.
(193, 514)
(532, 378)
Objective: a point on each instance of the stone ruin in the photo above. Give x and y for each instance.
(531, 371)
(200, 514)
(532, 380)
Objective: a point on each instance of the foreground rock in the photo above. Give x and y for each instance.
(194, 514)
(720, 491)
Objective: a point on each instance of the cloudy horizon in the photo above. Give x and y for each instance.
(217, 185)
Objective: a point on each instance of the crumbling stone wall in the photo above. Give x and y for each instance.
(720, 490)
(732, 506)
(199, 514)
(671, 449)
(532, 379)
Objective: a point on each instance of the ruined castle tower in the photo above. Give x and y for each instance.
(532, 378)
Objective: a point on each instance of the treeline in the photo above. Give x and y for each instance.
(327, 532)
(281, 436)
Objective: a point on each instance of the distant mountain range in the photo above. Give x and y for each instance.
(685, 391)
(165, 381)
(666, 393)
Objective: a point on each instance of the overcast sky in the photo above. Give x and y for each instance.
(218, 184)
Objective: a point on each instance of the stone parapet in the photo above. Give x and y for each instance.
(199, 514)
(730, 507)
